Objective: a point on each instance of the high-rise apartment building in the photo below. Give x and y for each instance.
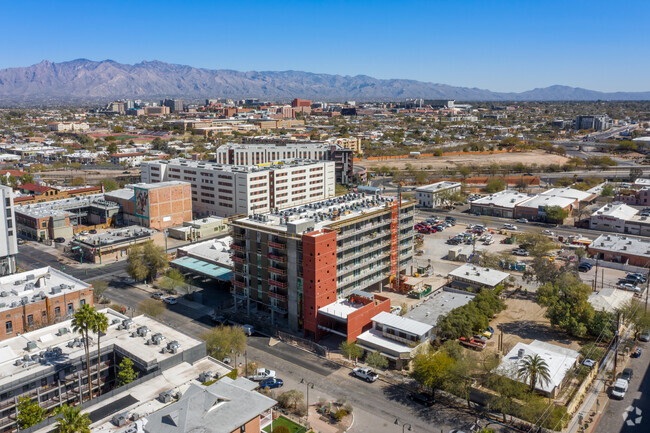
(600, 122)
(273, 151)
(175, 105)
(8, 233)
(228, 190)
(294, 262)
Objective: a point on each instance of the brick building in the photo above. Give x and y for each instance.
(154, 205)
(40, 297)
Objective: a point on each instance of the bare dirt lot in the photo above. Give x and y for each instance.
(523, 321)
(437, 162)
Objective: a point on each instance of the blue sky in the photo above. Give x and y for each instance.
(499, 45)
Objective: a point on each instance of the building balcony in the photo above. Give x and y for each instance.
(278, 296)
(277, 258)
(237, 260)
(278, 245)
(237, 283)
(277, 283)
(237, 248)
(278, 271)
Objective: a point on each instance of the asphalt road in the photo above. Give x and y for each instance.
(632, 414)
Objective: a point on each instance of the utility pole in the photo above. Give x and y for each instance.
(616, 339)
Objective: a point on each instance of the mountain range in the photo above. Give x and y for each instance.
(86, 81)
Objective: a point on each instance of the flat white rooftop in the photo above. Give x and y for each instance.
(35, 285)
(559, 360)
(438, 186)
(238, 168)
(402, 323)
(547, 200)
(479, 275)
(622, 244)
(50, 337)
(320, 214)
(215, 251)
(616, 210)
(569, 193)
(504, 199)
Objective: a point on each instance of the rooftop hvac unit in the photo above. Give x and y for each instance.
(173, 346)
(127, 323)
(29, 277)
(521, 353)
(120, 419)
(157, 338)
(165, 397)
(62, 331)
(143, 331)
(31, 345)
(206, 376)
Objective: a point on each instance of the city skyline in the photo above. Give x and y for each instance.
(507, 46)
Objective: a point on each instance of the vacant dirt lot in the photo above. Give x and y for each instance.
(524, 321)
(538, 157)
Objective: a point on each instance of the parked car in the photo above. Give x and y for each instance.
(637, 353)
(620, 388)
(93, 232)
(20, 241)
(520, 252)
(548, 233)
(262, 374)
(171, 300)
(645, 335)
(584, 267)
(521, 220)
(59, 240)
(589, 363)
(271, 383)
(158, 295)
(509, 227)
(636, 277)
(629, 287)
(488, 332)
(365, 373)
(422, 398)
(627, 374)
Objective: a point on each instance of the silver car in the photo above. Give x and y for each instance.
(645, 335)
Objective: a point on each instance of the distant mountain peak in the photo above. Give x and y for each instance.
(83, 81)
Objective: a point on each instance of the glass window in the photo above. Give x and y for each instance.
(57, 312)
(9, 327)
(30, 320)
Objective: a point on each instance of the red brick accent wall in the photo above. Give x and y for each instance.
(361, 320)
(319, 276)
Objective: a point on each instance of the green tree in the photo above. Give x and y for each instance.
(555, 214)
(432, 370)
(567, 304)
(607, 191)
(376, 360)
(495, 184)
(537, 244)
(111, 148)
(99, 288)
(29, 413)
(151, 307)
(118, 129)
(26, 178)
(541, 270)
(290, 399)
(534, 369)
(82, 323)
(109, 184)
(340, 189)
(145, 261)
(351, 350)
(78, 181)
(221, 341)
(99, 327)
(635, 173)
(464, 171)
(71, 420)
(125, 372)
(172, 280)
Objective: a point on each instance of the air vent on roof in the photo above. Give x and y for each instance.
(31, 345)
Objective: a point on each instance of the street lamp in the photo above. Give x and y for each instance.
(309, 384)
(404, 425)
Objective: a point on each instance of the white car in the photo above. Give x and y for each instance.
(620, 388)
(521, 220)
(645, 335)
(510, 227)
(365, 373)
(548, 233)
(261, 374)
(171, 300)
(629, 287)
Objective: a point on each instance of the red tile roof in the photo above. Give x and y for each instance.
(35, 188)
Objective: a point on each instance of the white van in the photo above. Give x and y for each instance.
(620, 388)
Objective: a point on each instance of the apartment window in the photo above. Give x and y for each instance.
(44, 316)
(44, 224)
(30, 320)
(57, 312)
(9, 328)
(8, 213)
(82, 302)
(70, 308)
(7, 202)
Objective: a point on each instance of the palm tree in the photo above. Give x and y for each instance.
(71, 420)
(99, 325)
(82, 323)
(533, 368)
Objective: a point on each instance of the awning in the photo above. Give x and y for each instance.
(201, 267)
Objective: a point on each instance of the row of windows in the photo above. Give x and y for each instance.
(222, 204)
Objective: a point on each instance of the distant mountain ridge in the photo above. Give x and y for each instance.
(82, 80)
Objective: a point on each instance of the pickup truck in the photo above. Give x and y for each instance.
(261, 374)
(365, 373)
(472, 343)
